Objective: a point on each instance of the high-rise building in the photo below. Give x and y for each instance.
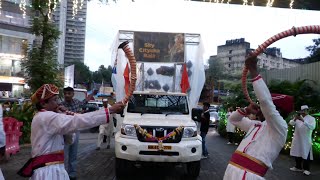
(232, 55)
(14, 40)
(71, 21)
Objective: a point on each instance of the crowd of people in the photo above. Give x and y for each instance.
(55, 133)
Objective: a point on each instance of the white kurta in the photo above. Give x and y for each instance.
(47, 130)
(106, 130)
(263, 143)
(229, 127)
(302, 140)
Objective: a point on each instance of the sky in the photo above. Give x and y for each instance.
(216, 23)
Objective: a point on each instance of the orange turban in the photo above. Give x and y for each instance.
(46, 91)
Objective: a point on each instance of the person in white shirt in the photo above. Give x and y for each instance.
(230, 128)
(106, 129)
(301, 147)
(264, 139)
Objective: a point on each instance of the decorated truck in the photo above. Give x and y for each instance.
(157, 127)
(166, 82)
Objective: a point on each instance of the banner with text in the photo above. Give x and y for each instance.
(69, 76)
(159, 47)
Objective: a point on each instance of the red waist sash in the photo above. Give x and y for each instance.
(248, 163)
(41, 161)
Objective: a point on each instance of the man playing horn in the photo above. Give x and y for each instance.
(264, 138)
(47, 130)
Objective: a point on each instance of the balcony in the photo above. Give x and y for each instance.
(14, 19)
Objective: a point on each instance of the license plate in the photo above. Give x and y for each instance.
(157, 147)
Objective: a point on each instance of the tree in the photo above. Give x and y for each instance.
(82, 74)
(214, 74)
(102, 75)
(314, 51)
(40, 64)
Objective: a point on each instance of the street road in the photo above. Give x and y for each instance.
(95, 165)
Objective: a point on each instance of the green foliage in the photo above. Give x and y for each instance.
(236, 97)
(301, 90)
(102, 75)
(82, 74)
(215, 71)
(23, 113)
(40, 64)
(314, 51)
(238, 135)
(222, 123)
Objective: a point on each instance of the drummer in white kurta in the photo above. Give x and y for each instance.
(263, 140)
(47, 130)
(301, 147)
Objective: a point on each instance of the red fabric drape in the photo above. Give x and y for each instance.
(126, 79)
(184, 84)
(284, 102)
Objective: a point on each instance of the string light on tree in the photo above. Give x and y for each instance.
(55, 4)
(81, 3)
(270, 3)
(23, 8)
(74, 8)
(291, 4)
(52, 5)
(0, 6)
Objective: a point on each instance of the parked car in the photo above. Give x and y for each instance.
(99, 104)
(214, 119)
(89, 107)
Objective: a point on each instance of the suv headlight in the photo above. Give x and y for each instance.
(128, 130)
(189, 132)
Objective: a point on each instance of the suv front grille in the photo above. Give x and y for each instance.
(160, 132)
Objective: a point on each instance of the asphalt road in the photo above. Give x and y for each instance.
(95, 165)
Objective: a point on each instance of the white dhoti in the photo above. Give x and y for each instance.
(52, 172)
(233, 172)
(105, 130)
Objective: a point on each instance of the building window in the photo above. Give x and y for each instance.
(230, 51)
(229, 65)
(230, 58)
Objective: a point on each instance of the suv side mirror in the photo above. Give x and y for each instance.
(196, 114)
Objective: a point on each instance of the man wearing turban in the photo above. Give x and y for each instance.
(47, 130)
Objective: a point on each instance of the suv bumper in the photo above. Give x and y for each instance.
(133, 150)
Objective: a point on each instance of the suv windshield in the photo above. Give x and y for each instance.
(158, 104)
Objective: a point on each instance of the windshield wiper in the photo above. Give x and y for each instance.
(151, 112)
(173, 113)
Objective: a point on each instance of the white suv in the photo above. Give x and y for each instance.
(157, 127)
